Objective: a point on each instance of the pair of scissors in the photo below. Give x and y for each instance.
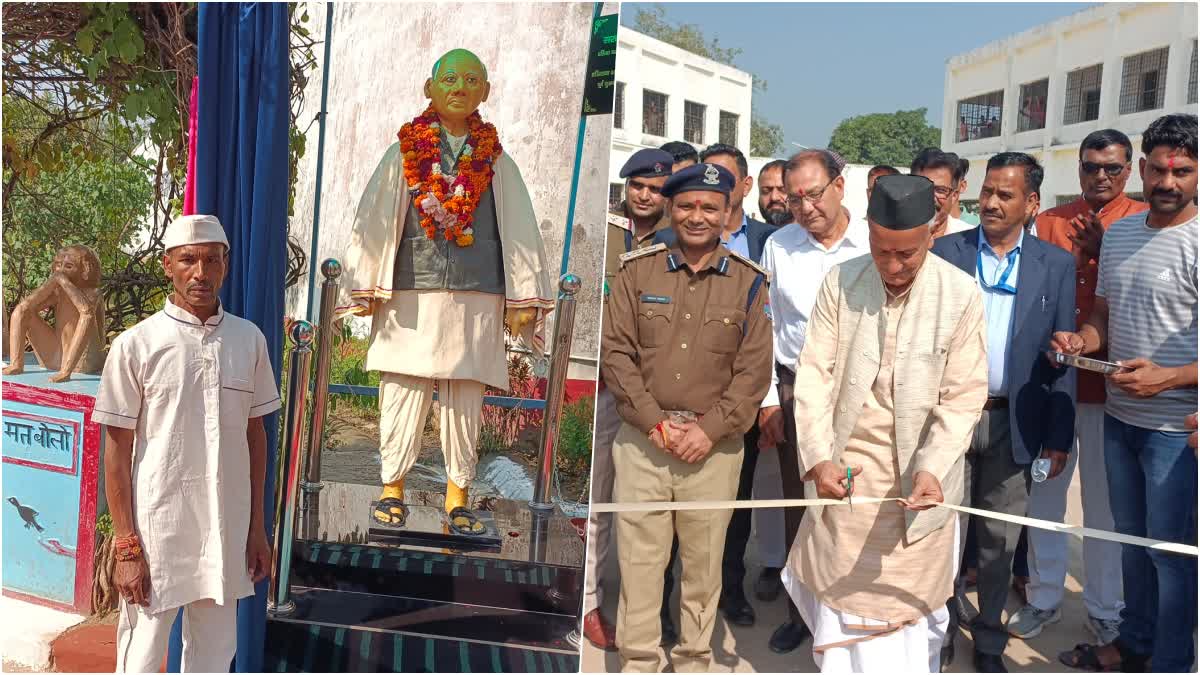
(850, 488)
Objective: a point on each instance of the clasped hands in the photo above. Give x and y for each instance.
(686, 441)
(830, 480)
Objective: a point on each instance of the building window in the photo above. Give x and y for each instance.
(727, 134)
(979, 117)
(1033, 106)
(654, 113)
(619, 106)
(616, 192)
(693, 122)
(1192, 77)
(1144, 81)
(1083, 95)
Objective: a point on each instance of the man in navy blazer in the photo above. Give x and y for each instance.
(1029, 294)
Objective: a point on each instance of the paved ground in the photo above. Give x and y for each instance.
(742, 650)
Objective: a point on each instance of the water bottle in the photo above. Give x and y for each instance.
(1040, 470)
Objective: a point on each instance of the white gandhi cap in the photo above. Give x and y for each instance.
(197, 229)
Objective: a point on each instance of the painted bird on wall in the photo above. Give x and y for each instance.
(27, 514)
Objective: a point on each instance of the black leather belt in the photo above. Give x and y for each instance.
(995, 403)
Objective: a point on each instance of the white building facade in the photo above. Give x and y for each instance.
(664, 93)
(1118, 66)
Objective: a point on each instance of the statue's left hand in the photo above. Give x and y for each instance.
(517, 319)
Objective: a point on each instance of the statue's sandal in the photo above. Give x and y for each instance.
(463, 521)
(390, 511)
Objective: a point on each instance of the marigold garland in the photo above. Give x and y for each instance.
(448, 206)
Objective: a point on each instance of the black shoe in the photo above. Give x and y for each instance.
(947, 654)
(768, 585)
(669, 636)
(735, 607)
(989, 663)
(787, 637)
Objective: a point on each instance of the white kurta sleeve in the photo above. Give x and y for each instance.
(266, 391)
(119, 402)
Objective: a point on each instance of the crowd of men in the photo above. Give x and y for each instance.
(894, 362)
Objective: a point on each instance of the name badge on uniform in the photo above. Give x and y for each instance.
(657, 299)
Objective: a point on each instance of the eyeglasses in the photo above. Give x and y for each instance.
(942, 192)
(1092, 168)
(795, 202)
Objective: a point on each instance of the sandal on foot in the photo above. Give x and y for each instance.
(1086, 657)
(390, 511)
(463, 521)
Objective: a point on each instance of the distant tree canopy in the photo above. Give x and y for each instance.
(884, 138)
(766, 139)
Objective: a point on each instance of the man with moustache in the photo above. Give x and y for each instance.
(888, 388)
(798, 256)
(1145, 314)
(182, 399)
(681, 436)
(948, 174)
(639, 221)
(1105, 161)
(745, 236)
(1028, 289)
(772, 196)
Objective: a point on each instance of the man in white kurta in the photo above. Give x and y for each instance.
(190, 389)
(890, 384)
(438, 311)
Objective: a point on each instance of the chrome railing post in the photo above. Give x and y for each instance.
(310, 483)
(287, 480)
(560, 353)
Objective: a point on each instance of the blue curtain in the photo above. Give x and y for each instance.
(242, 178)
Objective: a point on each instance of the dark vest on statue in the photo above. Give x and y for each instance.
(439, 264)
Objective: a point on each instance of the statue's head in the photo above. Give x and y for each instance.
(458, 85)
(80, 264)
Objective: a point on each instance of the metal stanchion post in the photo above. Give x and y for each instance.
(560, 352)
(291, 459)
(310, 484)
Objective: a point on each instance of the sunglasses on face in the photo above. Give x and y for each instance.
(1113, 170)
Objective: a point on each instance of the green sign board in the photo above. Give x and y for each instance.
(601, 67)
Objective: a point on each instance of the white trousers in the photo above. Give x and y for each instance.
(1048, 554)
(599, 538)
(403, 406)
(209, 638)
(768, 523)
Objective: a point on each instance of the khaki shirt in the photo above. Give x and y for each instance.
(621, 239)
(673, 340)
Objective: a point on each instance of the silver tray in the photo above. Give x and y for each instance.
(1094, 365)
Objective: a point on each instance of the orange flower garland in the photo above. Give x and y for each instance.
(448, 206)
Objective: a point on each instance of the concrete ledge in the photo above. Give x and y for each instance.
(30, 645)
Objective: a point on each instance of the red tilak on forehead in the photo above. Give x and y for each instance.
(697, 203)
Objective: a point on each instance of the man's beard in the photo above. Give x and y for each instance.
(777, 218)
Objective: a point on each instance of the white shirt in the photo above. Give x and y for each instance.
(188, 389)
(798, 264)
(957, 225)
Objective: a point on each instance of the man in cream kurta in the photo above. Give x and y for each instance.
(438, 309)
(890, 383)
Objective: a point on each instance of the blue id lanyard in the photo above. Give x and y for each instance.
(1001, 284)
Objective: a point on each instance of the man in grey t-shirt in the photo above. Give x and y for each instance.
(1146, 314)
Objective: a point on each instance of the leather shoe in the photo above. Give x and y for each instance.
(947, 654)
(669, 635)
(769, 585)
(787, 637)
(599, 632)
(989, 663)
(735, 607)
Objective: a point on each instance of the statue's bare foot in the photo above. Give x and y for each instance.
(61, 376)
(14, 369)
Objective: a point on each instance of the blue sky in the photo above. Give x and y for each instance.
(824, 62)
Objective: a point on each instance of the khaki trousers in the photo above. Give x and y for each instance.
(646, 474)
(403, 406)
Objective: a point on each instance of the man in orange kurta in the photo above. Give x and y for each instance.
(1105, 158)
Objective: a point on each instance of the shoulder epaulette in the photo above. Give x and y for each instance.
(751, 264)
(640, 252)
(618, 220)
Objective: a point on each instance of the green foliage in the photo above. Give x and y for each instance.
(575, 432)
(884, 138)
(346, 361)
(766, 139)
(104, 524)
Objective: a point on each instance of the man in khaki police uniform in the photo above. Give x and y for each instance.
(687, 354)
(640, 220)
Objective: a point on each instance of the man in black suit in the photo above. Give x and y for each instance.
(1029, 294)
